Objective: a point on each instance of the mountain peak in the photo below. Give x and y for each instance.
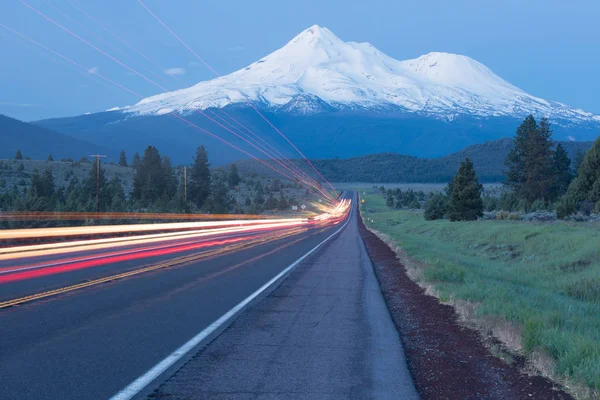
(318, 67)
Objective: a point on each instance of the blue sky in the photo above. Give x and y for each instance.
(548, 48)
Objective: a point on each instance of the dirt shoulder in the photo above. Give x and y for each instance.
(446, 359)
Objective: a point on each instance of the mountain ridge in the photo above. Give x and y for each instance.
(317, 65)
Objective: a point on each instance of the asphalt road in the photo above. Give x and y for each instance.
(324, 333)
(93, 342)
(89, 344)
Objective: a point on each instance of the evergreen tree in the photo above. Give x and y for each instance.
(169, 180)
(271, 202)
(50, 158)
(135, 163)
(151, 179)
(123, 159)
(283, 203)
(43, 185)
(200, 185)
(18, 155)
(219, 201)
(465, 201)
(389, 199)
(578, 160)
(530, 168)
(234, 178)
(259, 195)
(586, 185)
(562, 171)
(436, 206)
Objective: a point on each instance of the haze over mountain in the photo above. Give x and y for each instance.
(335, 98)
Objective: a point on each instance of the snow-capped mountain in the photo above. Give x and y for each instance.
(317, 72)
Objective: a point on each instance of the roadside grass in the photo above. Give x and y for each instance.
(542, 278)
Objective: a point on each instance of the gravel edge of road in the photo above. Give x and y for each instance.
(446, 359)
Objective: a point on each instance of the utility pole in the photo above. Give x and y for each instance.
(185, 183)
(97, 179)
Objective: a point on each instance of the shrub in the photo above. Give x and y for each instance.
(586, 207)
(508, 201)
(415, 205)
(538, 205)
(565, 206)
(508, 216)
(436, 207)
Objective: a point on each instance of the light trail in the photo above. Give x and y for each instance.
(139, 95)
(12, 234)
(247, 102)
(65, 15)
(176, 262)
(29, 251)
(79, 216)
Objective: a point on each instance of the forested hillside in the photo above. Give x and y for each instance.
(488, 160)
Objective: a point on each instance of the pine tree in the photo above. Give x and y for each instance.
(200, 179)
(465, 201)
(578, 160)
(123, 159)
(259, 195)
(271, 202)
(149, 181)
(389, 199)
(18, 155)
(50, 158)
(562, 171)
(135, 163)
(233, 178)
(169, 180)
(435, 208)
(530, 168)
(586, 185)
(283, 203)
(43, 185)
(219, 201)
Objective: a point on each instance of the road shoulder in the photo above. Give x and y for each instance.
(446, 359)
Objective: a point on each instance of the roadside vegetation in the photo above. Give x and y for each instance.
(149, 183)
(534, 286)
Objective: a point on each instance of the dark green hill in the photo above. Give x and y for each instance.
(37, 142)
(488, 159)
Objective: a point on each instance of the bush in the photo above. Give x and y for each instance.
(508, 216)
(586, 207)
(436, 207)
(538, 205)
(490, 203)
(508, 201)
(565, 206)
(414, 205)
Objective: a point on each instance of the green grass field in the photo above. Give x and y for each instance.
(542, 279)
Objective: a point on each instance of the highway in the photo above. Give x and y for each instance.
(92, 342)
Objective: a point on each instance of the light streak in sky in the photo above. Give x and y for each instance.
(140, 96)
(314, 185)
(247, 102)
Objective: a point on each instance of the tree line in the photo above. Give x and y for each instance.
(539, 176)
(158, 186)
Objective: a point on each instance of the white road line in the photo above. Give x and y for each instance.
(140, 383)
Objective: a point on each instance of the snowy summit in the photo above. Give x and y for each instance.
(317, 71)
